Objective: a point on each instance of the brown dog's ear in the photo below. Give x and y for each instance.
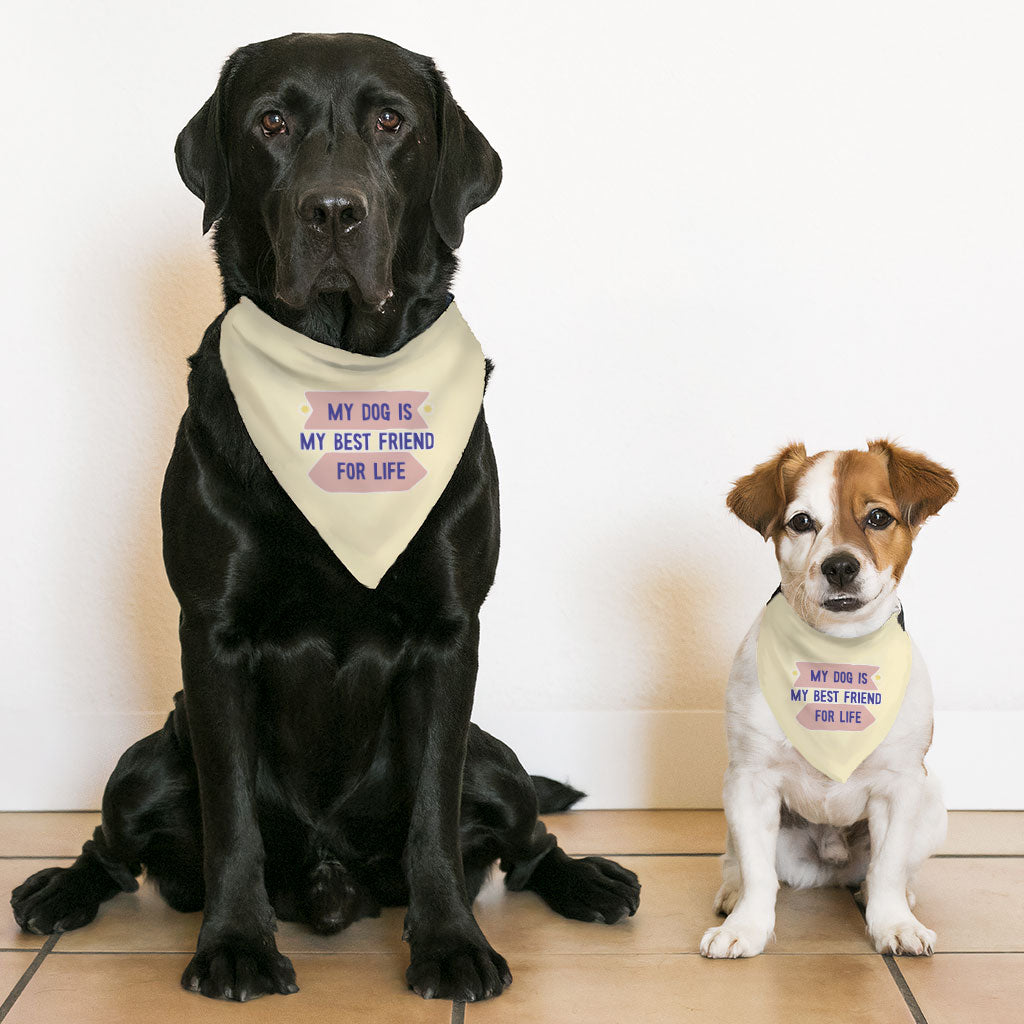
(759, 498)
(921, 487)
(468, 169)
(200, 153)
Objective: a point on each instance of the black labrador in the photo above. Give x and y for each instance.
(320, 761)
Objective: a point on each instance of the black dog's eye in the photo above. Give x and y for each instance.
(273, 123)
(879, 519)
(801, 523)
(389, 121)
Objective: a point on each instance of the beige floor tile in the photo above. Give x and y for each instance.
(666, 989)
(954, 988)
(985, 832)
(45, 833)
(973, 903)
(13, 873)
(675, 909)
(639, 831)
(12, 967)
(108, 988)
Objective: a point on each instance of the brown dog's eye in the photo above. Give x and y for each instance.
(389, 121)
(801, 523)
(273, 123)
(879, 519)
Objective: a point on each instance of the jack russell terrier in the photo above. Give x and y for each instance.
(829, 705)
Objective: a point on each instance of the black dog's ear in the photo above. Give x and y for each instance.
(200, 154)
(468, 169)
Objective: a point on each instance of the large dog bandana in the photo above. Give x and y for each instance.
(835, 698)
(363, 445)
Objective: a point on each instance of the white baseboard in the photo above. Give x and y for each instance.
(677, 758)
(621, 758)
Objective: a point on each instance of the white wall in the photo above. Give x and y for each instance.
(722, 226)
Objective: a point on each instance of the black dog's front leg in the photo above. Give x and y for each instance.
(236, 957)
(450, 959)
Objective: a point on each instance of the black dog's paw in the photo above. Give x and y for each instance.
(465, 969)
(587, 888)
(334, 899)
(240, 969)
(55, 900)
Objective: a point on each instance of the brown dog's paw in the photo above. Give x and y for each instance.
(239, 969)
(904, 938)
(464, 969)
(726, 898)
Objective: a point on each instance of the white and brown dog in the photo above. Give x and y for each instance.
(842, 524)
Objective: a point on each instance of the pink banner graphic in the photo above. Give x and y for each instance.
(836, 717)
(365, 473)
(854, 677)
(830, 690)
(338, 410)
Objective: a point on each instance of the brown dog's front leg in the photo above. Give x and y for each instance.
(450, 958)
(236, 957)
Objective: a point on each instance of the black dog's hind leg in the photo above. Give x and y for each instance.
(60, 899)
(150, 816)
(311, 882)
(499, 822)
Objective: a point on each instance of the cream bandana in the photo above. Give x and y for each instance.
(363, 445)
(835, 698)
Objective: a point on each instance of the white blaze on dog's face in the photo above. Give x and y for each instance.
(842, 524)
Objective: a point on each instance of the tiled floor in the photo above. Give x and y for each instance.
(125, 966)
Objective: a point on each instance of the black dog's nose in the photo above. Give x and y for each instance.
(840, 569)
(342, 210)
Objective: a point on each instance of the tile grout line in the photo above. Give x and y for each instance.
(23, 981)
(909, 999)
(976, 856)
(901, 984)
(937, 955)
(721, 853)
(37, 856)
(595, 853)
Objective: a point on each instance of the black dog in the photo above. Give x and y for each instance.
(320, 761)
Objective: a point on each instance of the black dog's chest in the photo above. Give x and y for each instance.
(333, 664)
(302, 598)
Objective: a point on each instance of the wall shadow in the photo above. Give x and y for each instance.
(179, 289)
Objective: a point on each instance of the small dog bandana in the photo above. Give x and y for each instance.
(835, 698)
(364, 445)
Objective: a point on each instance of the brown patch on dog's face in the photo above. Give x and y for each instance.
(760, 498)
(920, 487)
(862, 489)
(842, 524)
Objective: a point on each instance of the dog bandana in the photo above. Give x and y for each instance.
(364, 445)
(835, 698)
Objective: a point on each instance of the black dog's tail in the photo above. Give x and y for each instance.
(554, 796)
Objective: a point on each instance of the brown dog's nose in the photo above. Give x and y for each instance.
(840, 569)
(340, 210)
